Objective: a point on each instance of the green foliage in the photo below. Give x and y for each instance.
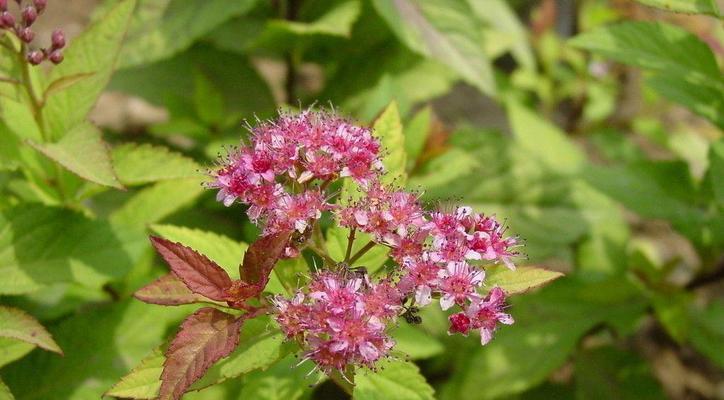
(395, 380)
(685, 6)
(16, 324)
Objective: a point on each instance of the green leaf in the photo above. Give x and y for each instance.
(337, 21)
(519, 281)
(400, 380)
(715, 175)
(44, 245)
(501, 17)
(226, 252)
(548, 325)
(11, 350)
(416, 133)
(93, 52)
(707, 331)
(154, 203)
(685, 6)
(284, 380)
(608, 373)
(162, 28)
(705, 100)
(5, 393)
(544, 140)
(122, 334)
(654, 45)
(83, 152)
(388, 129)
(143, 381)
(138, 164)
(445, 31)
(414, 343)
(259, 347)
(17, 324)
(208, 100)
(19, 119)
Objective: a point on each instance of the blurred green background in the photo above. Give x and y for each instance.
(594, 127)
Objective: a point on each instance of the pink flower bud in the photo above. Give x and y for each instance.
(40, 5)
(7, 20)
(58, 39)
(30, 14)
(3, 5)
(56, 57)
(35, 57)
(26, 34)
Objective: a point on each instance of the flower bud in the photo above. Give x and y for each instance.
(7, 20)
(35, 57)
(26, 34)
(30, 14)
(40, 5)
(58, 39)
(56, 57)
(3, 5)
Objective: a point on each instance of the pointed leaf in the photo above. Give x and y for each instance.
(388, 129)
(446, 31)
(83, 152)
(261, 257)
(685, 6)
(200, 274)
(17, 324)
(12, 349)
(520, 280)
(205, 337)
(93, 52)
(154, 203)
(168, 290)
(5, 393)
(398, 379)
(138, 164)
(143, 381)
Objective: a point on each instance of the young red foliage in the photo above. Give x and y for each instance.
(261, 257)
(168, 290)
(200, 274)
(204, 337)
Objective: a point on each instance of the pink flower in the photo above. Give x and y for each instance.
(421, 278)
(458, 283)
(485, 314)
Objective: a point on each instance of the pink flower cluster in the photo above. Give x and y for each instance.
(341, 320)
(275, 173)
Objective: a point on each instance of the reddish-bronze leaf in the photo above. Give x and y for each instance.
(200, 274)
(168, 290)
(204, 337)
(260, 258)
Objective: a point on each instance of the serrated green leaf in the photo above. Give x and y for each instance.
(162, 28)
(388, 129)
(154, 203)
(93, 52)
(446, 31)
(17, 324)
(5, 393)
(259, 347)
(544, 140)
(685, 6)
(11, 350)
(416, 132)
(284, 380)
(138, 164)
(337, 21)
(414, 343)
(143, 381)
(83, 152)
(519, 281)
(654, 45)
(44, 245)
(87, 371)
(548, 325)
(397, 379)
(707, 101)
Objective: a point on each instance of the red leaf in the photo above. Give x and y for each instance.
(168, 290)
(261, 257)
(205, 337)
(200, 274)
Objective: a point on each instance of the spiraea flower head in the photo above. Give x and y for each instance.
(21, 27)
(341, 317)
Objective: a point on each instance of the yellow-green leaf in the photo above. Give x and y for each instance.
(520, 280)
(17, 324)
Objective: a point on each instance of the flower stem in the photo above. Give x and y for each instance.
(362, 252)
(350, 242)
(344, 381)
